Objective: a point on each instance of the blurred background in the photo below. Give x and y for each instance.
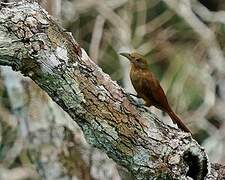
(183, 41)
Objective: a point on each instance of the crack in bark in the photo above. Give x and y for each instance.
(110, 119)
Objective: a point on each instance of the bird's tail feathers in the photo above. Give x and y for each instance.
(178, 121)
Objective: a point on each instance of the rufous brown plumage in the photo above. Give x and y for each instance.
(148, 87)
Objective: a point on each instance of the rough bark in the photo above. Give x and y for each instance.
(43, 143)
(31, 42)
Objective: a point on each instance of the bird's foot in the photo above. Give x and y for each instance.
(138, 101)
(131, 94)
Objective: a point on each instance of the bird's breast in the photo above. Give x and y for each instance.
(138, 79)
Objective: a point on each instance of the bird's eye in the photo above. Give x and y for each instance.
(138, 60)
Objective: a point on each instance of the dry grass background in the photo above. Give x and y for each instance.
(183, 41)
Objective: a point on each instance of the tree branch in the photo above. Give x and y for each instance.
(31, 42)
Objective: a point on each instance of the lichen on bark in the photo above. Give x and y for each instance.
(33, 43)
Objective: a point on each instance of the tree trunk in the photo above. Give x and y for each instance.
(34, 44)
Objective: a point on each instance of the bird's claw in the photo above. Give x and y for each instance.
(137, 101)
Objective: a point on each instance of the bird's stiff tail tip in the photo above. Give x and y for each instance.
(179, 122)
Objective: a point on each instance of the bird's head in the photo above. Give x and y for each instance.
(137, 59)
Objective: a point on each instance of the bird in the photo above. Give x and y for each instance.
(148, 87)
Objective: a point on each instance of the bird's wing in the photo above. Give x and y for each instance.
(155, 91)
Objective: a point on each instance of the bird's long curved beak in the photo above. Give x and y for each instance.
(127, 55)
